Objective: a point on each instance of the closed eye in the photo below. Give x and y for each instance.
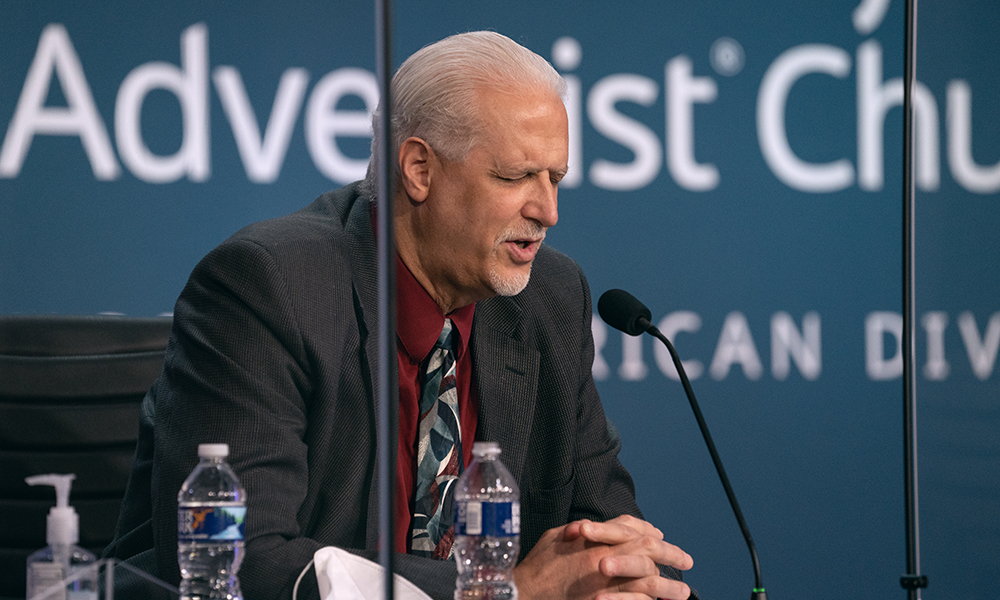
(515, 178)
(554, 176)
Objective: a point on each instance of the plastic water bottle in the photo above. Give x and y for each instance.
(487, 527)
(211, 507)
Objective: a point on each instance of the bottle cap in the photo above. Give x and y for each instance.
(62, 527)
(485, 448)
(213, 450)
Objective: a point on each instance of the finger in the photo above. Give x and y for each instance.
(572, 530)
(618, 530)
(609, 532)
(629, 565)
(623, 596)
(647, 588)
(643, 527)
(658, 551)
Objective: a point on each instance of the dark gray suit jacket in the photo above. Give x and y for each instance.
(273, 352)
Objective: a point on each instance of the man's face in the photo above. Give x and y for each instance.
(491, 210)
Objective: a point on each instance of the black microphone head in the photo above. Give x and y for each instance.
(623, 311)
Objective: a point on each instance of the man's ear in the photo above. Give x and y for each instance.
(415, 156)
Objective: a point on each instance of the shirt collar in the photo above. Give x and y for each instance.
(419, 319)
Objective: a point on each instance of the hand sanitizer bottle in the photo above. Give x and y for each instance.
(62, 558)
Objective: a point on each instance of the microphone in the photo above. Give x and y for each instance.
(626, 313)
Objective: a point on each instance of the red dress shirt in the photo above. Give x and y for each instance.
(418, 324)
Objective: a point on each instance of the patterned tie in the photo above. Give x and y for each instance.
(439, 453)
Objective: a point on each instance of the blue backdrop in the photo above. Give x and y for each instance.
(735, 165)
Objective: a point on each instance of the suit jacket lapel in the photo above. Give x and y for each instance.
(506, 378)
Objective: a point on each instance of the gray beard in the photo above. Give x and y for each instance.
(508, 286)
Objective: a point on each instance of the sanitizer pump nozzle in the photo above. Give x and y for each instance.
(61, 559)
(62, 527)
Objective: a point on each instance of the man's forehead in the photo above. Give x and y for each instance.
(529, 107)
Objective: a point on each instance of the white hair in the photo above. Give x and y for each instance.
(434, 92)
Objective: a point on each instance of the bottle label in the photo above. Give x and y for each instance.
(493, 519)
(42, 576)
(208, 523)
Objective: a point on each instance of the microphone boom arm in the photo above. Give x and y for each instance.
(758, 592)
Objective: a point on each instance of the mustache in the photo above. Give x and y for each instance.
(529, 230)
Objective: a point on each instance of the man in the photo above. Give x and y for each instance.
(273, 352)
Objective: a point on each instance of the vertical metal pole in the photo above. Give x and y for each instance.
(109, 579)
(388, 390)
(912, 581)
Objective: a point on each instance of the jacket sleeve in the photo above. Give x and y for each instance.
(601, 488)
(235, 374)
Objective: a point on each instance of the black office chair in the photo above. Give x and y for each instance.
(70, 389)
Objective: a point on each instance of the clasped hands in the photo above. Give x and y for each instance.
(615, 560)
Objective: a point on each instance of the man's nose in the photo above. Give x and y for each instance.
(543, 205)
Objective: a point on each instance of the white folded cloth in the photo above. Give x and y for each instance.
(345, 576)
